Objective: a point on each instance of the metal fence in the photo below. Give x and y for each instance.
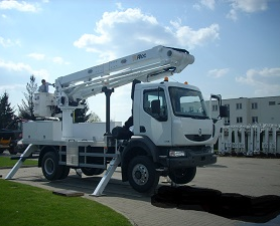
(250, 140)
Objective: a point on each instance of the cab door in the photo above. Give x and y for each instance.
(154, 124)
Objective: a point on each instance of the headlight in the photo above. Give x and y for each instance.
(173, 153)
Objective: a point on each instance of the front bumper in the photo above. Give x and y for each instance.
(192, 160)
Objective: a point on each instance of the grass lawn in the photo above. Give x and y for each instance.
(26, 205)
(5, 161)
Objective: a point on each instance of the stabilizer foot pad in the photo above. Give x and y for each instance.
(68, 193)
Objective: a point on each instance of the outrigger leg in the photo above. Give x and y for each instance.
(107, 176)
(22, 158)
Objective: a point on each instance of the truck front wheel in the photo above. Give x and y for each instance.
(142, 175)
(50, 167)
(182, 175)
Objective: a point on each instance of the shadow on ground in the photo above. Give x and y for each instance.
(229, 205)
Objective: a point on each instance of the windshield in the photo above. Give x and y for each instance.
(187, 103)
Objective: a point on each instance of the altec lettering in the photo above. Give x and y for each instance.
(139, 56)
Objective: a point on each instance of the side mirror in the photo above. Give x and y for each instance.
(155, 107)
(224, 111)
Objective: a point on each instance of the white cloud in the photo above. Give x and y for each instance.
(265, 81)
(270, 72)
(59, 60)
(4, 16)
(36, 56)
(208, 3)
(197, 6)
(232, 15)
(122, 29)
(11, 87)
(119, 6)
(185, 34)
(115, 26)
(40, 56)
(247, 6)
(22, 69)
(8, 42)
(11, 66)
(19, 5)
(218, 73)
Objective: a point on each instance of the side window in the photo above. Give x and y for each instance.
(151, 96)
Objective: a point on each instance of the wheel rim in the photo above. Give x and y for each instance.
(49, 166)
(140, 174)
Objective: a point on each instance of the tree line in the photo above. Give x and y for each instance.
(26, 108)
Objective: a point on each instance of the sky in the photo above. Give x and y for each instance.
(236, 43)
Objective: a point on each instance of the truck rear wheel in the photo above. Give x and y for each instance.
(50, 167)
(182, 175)
(92, 171)
(64, 173)
(142, 174)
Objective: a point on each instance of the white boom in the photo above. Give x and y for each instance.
(145, 66)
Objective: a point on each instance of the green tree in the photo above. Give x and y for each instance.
(7, 114)
(26, 110)
(93, 117)
(81, 114)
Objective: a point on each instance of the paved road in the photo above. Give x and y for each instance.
(246, 176)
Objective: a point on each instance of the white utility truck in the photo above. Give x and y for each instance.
(169, 133)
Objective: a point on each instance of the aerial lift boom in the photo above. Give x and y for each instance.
(145, 66)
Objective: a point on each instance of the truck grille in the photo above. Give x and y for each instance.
(197, 138)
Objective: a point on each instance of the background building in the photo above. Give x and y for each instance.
(248, 111)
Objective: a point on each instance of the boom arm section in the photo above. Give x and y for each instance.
(145, 66)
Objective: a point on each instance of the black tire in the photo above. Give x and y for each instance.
(64, 173)
(13, 151)
(92, 171)
(142, 174)
(50, 167)
(2, 150)
(182, 175)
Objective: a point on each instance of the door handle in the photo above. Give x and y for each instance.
(142, 129)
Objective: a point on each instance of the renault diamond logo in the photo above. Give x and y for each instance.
(200, 132)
